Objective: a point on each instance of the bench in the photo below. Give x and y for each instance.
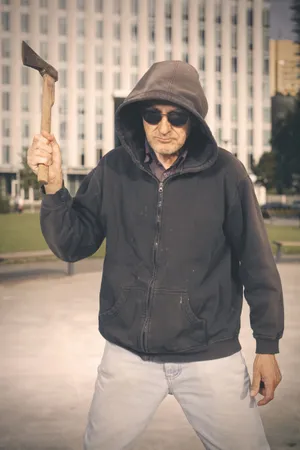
(14, 256)
(280, 244)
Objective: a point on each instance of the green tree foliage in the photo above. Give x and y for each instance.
(265, 170)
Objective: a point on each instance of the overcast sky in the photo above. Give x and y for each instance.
(281, 24)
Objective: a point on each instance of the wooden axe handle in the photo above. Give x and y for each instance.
(47, 103)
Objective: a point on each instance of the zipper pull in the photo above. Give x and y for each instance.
(161, 187)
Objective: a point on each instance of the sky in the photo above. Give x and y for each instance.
(280, 20)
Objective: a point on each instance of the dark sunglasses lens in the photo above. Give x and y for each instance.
(178, 119)
(152, 117)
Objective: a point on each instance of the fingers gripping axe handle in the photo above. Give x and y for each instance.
(50, 76)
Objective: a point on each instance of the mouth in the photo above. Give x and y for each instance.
(164, 140)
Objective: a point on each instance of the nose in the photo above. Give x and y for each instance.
(164, 125)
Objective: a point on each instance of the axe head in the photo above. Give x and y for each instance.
(32, 59)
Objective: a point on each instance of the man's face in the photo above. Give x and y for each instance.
(163, 137)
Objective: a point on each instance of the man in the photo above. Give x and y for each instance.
(184, 235)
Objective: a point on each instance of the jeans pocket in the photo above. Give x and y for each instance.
(173, 326)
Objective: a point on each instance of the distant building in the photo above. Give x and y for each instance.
(284, 67)
(102, 47)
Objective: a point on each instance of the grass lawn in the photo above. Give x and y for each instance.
(22, 233)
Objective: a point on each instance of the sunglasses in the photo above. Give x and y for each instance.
(177, 118)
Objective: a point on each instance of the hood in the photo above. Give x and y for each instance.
(178, 83)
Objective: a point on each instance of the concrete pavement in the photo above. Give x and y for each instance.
(50, 349)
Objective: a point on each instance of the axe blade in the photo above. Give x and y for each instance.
(33, 60)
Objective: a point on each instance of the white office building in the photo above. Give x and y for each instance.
(102, 47)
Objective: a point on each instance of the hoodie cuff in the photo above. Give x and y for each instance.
(267, 346)
(54, 200)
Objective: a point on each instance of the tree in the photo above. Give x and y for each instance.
(265, 170)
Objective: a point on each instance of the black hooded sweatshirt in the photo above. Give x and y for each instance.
(179, 253)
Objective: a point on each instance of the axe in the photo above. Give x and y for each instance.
(50, 76)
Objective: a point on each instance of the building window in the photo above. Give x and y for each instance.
(99, 29)
(5, 48)
(44, 3)
(250, 87)
(80, 79)
(99, 6)
(234, 136)
(117, 7)
(250, 17)
(266, 18)
(267, 114)
(44, 50)
(219, 111)
(63, 104)
(80, 129)
(117, 56)
(63, 78)
(219, 135)
(80, 5)
(80, 53)
(99, 105)
(5, 75)
(168, 55)
(218, 37)
(250, 138)
(5, 127)
(62, 26)
(25, 2)
(5, 21)
(202, 63)
(234, 112)
(117, 31)
(117, 80)
(250, 38)
(151, 57)
(25, 101)
(219, 88)
(266, 67)
(134, 32)
(25, 76)
(151, 8)
(250, 63)
(185, 33)
(234, 38)
(99, 80)
(152, 32)
(98, 54)
(99, 153)
(25, 23)
(99, 134)
(134, 57)
(62, 51)
(201, 12)
(25, 128)
(185, 56)
(169, 34)
(5, 154)
(218, 13)
(134, 79)
(266, 40)
(62, 4)
(218, 63)
(43, 24)
(134, 7)
(202, 37)
(80, 27)
(234, 14)
(168, 9)
(185, 10)
(234, 64)
(63, 130)
(266, 137)
(234, 92)
(250, 113)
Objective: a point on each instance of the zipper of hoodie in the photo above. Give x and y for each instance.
(161, 187)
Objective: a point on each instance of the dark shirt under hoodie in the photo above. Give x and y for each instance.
(180, 251)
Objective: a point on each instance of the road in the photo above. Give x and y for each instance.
(50, 349)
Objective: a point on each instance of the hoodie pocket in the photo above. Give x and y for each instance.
(173, 326)
(122, 322)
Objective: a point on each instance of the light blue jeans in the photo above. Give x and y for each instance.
(214, 396)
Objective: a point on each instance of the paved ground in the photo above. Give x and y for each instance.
(50, 349)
